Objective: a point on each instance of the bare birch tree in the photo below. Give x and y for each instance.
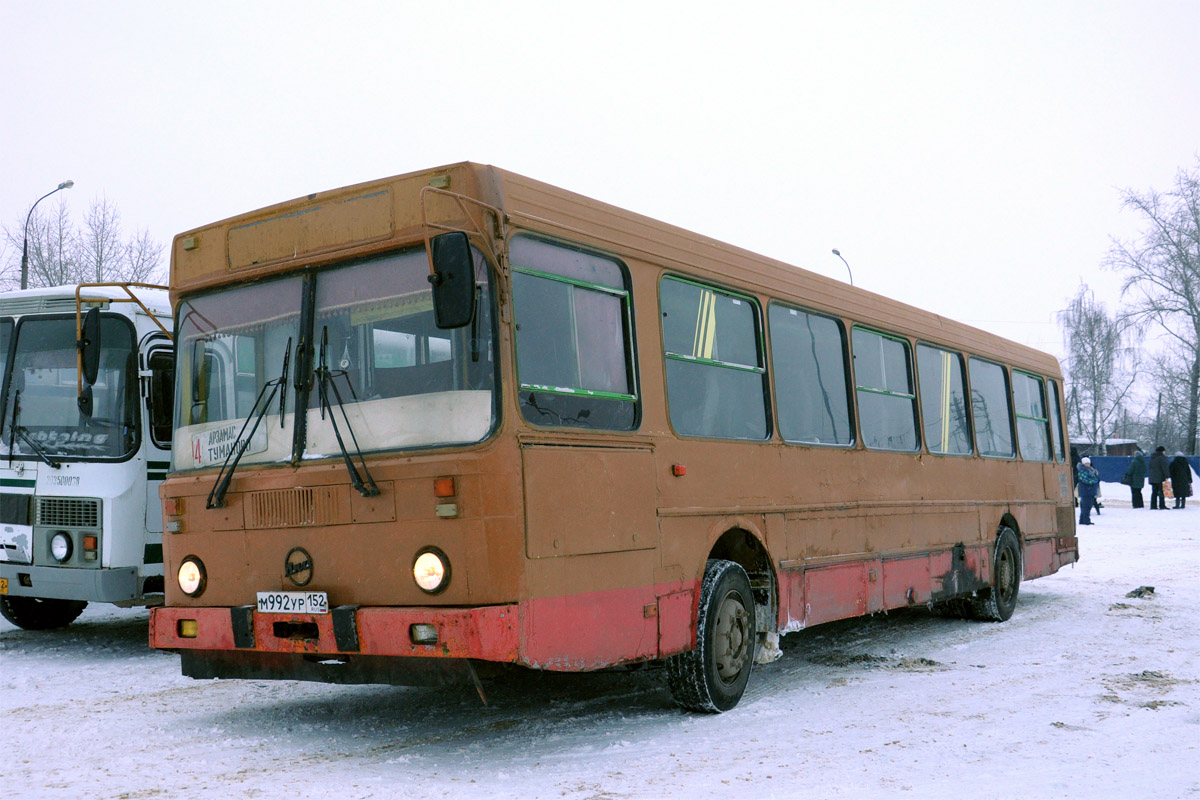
(1161, 272)
(143, 259)
(1101, 366)
(100, 240)
(62, 254)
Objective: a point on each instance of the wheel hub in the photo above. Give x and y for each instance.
(731, 637)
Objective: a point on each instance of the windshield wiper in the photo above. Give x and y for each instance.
(325, 380)
(216, 497)
(16, 430)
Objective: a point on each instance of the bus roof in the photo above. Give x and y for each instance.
(378, 215)
(60, 299)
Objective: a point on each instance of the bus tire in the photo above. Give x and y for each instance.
(713, 676)
(39, 614)
(997, 602)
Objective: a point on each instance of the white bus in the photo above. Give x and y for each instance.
(85, 442)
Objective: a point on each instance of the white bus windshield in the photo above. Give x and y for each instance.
(43, 389)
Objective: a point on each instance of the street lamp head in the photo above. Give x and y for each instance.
(25, 241)
(836, 253)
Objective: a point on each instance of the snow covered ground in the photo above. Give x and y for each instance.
(1085, 692)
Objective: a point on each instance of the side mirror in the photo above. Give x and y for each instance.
(453, 280)
(89, 345)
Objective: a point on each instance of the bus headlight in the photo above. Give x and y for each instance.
(431, 570)
(192, 577)
(61, 547)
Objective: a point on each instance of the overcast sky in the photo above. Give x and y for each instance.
(964, 157)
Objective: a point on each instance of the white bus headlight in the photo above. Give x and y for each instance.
(431, 570)
(192, 577)
(61, 547)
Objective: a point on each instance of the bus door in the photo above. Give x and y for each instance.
(158, 382)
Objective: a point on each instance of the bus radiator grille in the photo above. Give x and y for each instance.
(68, 512)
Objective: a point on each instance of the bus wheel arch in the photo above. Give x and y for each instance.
(744, 547)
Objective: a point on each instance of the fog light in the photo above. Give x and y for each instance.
(431, 570)
(61, 547)
(192, 577)
(422, 633)
(188, 628)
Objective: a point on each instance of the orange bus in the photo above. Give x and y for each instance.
(459, 419)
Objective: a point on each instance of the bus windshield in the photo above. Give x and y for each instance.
(42, 412)
(376, 352)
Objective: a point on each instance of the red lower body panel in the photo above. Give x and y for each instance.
(576, 632)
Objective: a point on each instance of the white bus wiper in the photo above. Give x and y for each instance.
(325, 380)
(20, 430)
(216, 497)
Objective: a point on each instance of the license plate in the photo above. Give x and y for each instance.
(3, 585)
(293, 602)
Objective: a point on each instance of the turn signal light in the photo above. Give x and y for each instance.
(173, 506)
(443, 487)
(187, 628)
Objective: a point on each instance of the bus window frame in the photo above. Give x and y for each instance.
(1057, 443)
(1045, 421)
(132, 400)
(760, 350)
(966, 385)
(847, 377)
(301, 360)
(624, 295)
(1014, 454)
(912, 381)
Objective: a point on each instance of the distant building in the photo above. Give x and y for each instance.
(1114, 447)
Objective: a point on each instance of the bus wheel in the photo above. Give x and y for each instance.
(38, 614)
(713, 676)
(998, 601)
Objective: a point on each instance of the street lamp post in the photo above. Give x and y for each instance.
(25, 241)
(839, 255)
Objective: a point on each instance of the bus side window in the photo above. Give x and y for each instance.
(990, 409)
(943, 401)
(574, 337)
(808, 356)
(1056, 428)
(1033, 423)
(887, 404)
(716, 375)
(160, 403)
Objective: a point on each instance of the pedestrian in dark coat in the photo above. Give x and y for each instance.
(1135, 478)
(1087, 482)
(1181, 480)
(1158, 473)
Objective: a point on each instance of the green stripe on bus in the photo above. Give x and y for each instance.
(156, 476)
(153, 554)
(158, 465)
(22, 482)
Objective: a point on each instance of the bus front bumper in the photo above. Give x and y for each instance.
(350, 641)
(115, 585)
